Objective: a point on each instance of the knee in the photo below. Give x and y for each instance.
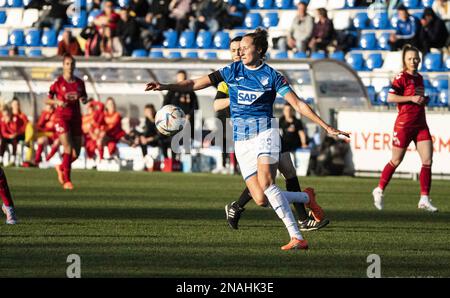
(261, 201)
(427, 162)
(396, 161)
(265, 181)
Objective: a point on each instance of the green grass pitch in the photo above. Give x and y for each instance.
(173, 225)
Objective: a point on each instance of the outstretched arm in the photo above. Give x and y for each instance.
(221, 103)
(301, 107)
(183, 86)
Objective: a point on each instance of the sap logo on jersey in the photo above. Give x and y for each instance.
(248, 97)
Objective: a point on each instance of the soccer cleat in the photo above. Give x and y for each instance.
(378, 197)
(68, 185)
(425, 204)
(11, 218)
(310, 224)
(317, 211)
(60, 174)
(233, 214)
(295, 244)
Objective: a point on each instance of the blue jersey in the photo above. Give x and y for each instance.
(406, 29)
(252, 93)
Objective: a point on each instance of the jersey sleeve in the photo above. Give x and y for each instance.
(222, 91)
(53, 90)
(397, 86)
(227, 73)
(281, 85)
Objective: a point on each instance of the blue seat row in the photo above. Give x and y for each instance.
(32, 38)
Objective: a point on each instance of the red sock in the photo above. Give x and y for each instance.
(52, 152)
(386, 175)
(112, 148)
(4, 190)
(425, 180)
(37, 158)
(66, 166)
(100, 151)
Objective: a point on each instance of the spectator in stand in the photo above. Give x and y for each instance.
(179, 12)
(209, 15)
(406, 31)
(96, 5)
(36, 4)
(9, 129)
(187, 101)
(110, 45)
(323, 32)
(56, 17)
(300, 32)
(139, 8)
(159, 10)
(235, 15)
(128, 32)
(108, 17)
(433, 33)
(69, 45)
(293, 134)
(442, 10)
(46, 133)
(93, 37)
(150, 34)
(113, 128)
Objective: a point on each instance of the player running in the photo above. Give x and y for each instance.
(407, 91)
(233, 211)
(69, 90)
(253, 86)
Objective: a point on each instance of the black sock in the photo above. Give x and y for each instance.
(292, 184)
(244, 198)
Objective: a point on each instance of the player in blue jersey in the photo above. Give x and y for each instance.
(253, 86)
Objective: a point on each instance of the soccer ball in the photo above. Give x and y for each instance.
(169, 120)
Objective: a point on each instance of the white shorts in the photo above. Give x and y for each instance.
(267, 143)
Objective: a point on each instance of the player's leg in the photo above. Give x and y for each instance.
(8, 204)
(64, 169)
(425, 150)
(41, 143)
(53, 149)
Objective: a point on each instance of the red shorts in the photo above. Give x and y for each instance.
(403, 136)
(73, 127)
(116, 136)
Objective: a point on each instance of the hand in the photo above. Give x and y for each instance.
(335, 132)
(61, 104)
(419, 99)
(155, 86)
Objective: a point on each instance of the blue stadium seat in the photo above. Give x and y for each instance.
(318, 55)
(368, 41)
(80, 4)
(380, 21)
(15, 3)
(441, 82)
(283, 4)
(356, 61)
(427, 3)
(187, 39)
(427, 83)
(123, 3)
(447, 63)
(22, 52)
(209, 55)
(372, 95)
(264, 4)
(249, 3)
(375, 60)
(222, 40)
(382, 95)
(192, 55)
(433, 62)
(170, 39)
(361, 21)
(339, 55)
(411, 4)
(33, 38)
(49, 38)
(2, 16)
(270, 19)
(26, 2)
(443, 97)
(383, 41)
(394, 21)
(252, 20)
(351, 3)
(174, 55)
(93, 14)
(139, 53)
(300, 55)
(3, 52)
(281, 55)
(17, 37)
(204, 39)
(433, 94)
(79, 20)
(35, 53)
(156, 55)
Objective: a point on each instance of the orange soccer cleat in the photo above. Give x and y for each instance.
(60, 174)
(317, 211)
(68, 185)
(295, 244)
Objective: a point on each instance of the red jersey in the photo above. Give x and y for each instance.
(46, 122)
(114, 125)
(10, 129)
(22, 124)
(69, 93)
(409, 113)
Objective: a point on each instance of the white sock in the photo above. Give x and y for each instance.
(424, 197)
(378, 189)
(281, 207)
(296, 197)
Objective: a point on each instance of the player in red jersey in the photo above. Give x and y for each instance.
(10, 128)
(408, 92)
(65, 94)
(113, 127)
(46, 133)
(93, 123)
